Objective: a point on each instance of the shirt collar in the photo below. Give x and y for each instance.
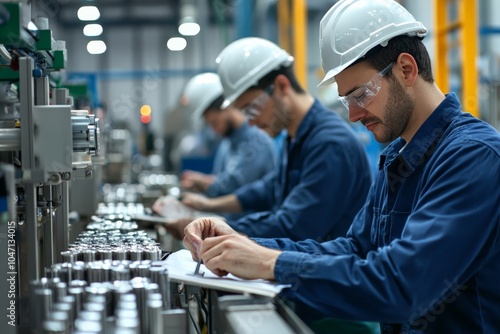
(307, 122)
(239, 133)
(427, 135)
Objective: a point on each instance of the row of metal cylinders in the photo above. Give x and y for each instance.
(104, 271)
(137, 306)
(118, 253)
(92, 246)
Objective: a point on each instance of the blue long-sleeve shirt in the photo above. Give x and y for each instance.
(320, 185)
(247, 155)
(424, 251)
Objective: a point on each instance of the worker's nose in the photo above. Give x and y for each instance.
(356, 113)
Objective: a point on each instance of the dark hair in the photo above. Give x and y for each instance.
(287, 71)
(380, 57)
(215, 104)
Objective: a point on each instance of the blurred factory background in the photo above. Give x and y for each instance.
(134, 67)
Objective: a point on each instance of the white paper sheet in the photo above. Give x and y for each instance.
(181, 267)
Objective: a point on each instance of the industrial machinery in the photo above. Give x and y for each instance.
(44, 144)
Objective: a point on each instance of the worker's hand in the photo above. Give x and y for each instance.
(196, 201)
(203, 228)
(195, 180)
(238, 255)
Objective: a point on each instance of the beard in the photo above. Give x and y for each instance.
(230, 128)
(398, 112)
(280, 119)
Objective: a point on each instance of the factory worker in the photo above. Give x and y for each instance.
(423, 254)
(245, 153)
(323, 177)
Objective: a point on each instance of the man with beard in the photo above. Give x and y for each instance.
(422, 255)
(323, 177)
(245, 153)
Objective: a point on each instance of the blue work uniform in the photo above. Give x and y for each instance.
(247, 155)
(321, 183)
(423, 255)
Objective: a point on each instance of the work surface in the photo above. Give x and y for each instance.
(181, 268)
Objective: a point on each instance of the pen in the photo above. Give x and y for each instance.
(197, 270)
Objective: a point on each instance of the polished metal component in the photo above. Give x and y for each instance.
(10, 139)
(89, 256)
(98, 307)
(155, 317)
(54, 327)
(78, 294)
(60, 316)
(43, 304)
(141, 297)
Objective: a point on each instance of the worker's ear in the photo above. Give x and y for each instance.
(406, 68)
(281, 83)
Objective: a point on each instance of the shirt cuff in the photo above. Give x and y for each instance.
(289, 266)
(266, 242)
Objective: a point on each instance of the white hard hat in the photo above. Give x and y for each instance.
(201, 91)
(244, 62)
(351, 28)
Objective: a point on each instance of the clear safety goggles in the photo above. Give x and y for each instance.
(364, 94)
(253, 109)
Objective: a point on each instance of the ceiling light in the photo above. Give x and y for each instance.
(92, 30)
(96, 47)
(189, 27)
(176, 44)
(88, 13)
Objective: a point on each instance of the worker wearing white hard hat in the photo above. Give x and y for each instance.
(312, 194)
(422, 255)
(245, 154)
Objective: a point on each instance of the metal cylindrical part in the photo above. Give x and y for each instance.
(54, 327)
(106, 254)
(89, 256)
(60, 290)
(135, 255)
(10, 139)
(143, 270)
(79, 294)
(155, 317)
(165, 288)
(142, 298)
(62, 317)
(43, 300)
(66, 272)
(120, 274)
(71, 300)
(99, 308)
(68, 256)
(128, 323)
(88, 326)
(119, 254)
(78, 272)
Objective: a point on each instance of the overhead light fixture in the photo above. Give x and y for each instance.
(187, 23)
(92, 29)
(88, 13)
(189, 27)
(96, 47)
(176, 44)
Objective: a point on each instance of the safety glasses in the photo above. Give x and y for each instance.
(253, 109)
(364, 94)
